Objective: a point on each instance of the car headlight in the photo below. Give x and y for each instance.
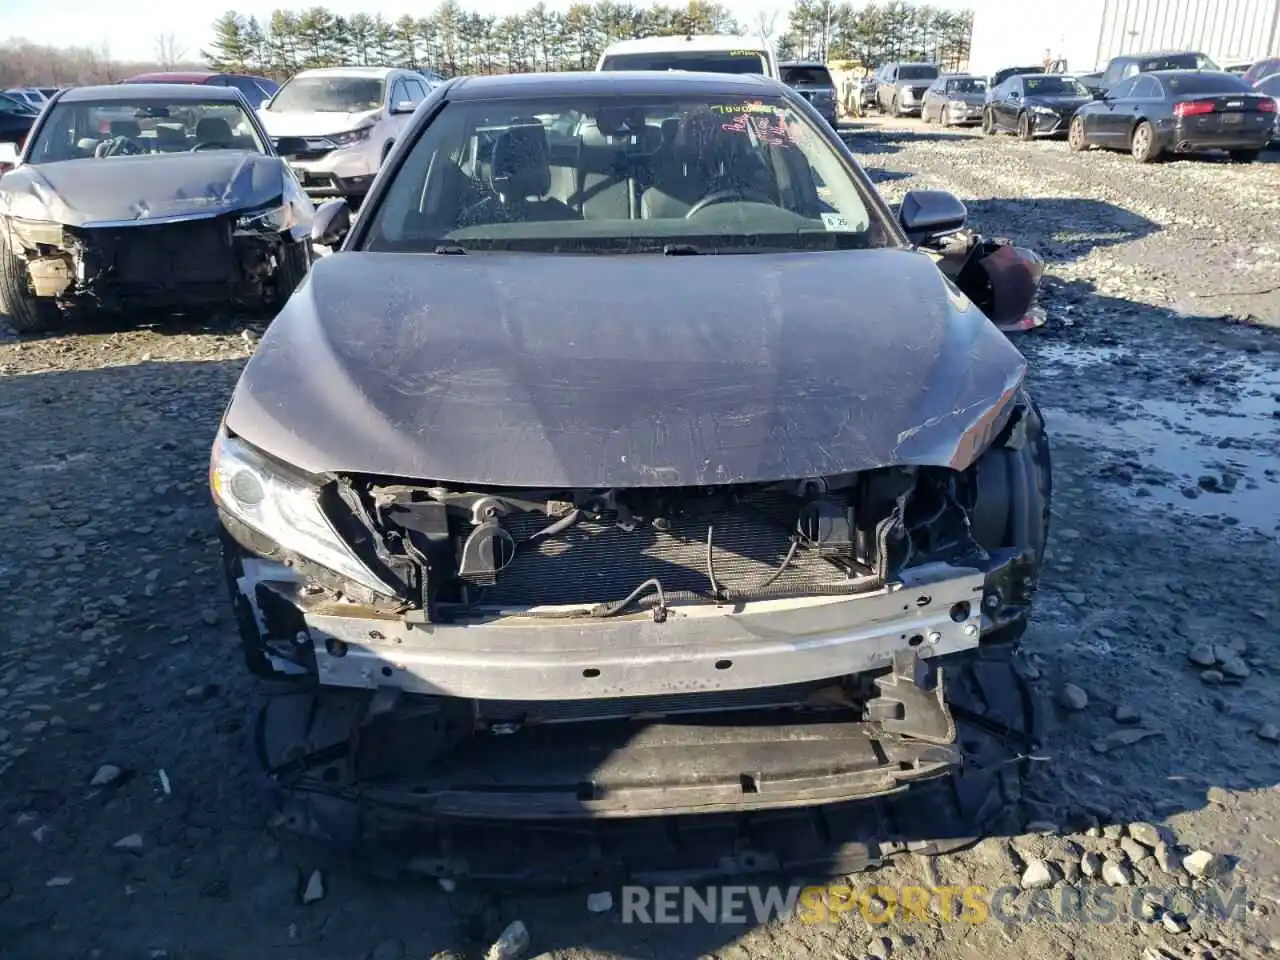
(1043, 111)
(276, 219)
(908, 96)
(348, 137)
(33, 232)
(284, 506)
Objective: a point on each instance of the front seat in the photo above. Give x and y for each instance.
(521, 176)
(125, 128)
(214, 130)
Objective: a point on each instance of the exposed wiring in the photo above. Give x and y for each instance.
(720, 593)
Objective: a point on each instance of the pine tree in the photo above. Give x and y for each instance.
(230, 51)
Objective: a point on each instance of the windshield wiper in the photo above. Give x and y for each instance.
(450, 250)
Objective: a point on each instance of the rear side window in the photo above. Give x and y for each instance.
(1146, 88)
(918, 71)
(807, 77)
(1206, 83)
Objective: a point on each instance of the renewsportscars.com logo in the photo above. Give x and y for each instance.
(879, 905)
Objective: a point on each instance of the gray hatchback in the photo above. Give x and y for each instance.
(812, 80)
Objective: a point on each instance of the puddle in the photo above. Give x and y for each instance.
(1073, 355)
(1168, 446)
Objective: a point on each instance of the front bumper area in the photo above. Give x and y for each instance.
(1050, 125)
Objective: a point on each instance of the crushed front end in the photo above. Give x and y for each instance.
(469, 654)
(244, 258)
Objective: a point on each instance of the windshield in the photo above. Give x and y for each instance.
(918, 71)
(1178, 61)
(1053, 87)
(116, 128)
(623, 176)
(1188, 83)
(967, 85)
(807, 77)
(329, 95)
(707, 61)
(11, 104)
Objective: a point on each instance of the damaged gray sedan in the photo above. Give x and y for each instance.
(148, 196)
(628, 458)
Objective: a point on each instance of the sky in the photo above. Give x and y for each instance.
(130, 27)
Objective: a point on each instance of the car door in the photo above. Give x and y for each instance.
(1007, 103)
(884, 93)
(935, 100)
(1114, 115)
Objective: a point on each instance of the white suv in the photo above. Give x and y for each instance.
(349, 117)
(699, 54)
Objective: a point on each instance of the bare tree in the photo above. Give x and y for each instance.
(169, 52)
(767, 26)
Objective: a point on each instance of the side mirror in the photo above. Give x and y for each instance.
(404, 106)
(290, 146)
(928, 215)
(1099, 94)
(331, 224)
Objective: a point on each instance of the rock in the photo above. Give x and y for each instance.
(210, 617)
(1174, 923)
(1212, 677)
(1207, 482)
(1091, 864)
(313, 892)
(1167, 859)
(511, 945)
(132, 842)
(1219, 796)
(202, 691)
(1134, 850)
(1147, 834)
(1116, 874)
(1073, 698)
(880, 947)
(1234, 668)
(1070, 871)
(448, 884)
(106, 775)
(1124, 713)
(1202, 655)
(601, 902)
(1123, 738)
(1205, 865)
(58, 882)
(1191, 492)
(1113, 831)
(389, 949)
(1037, 875)
(1042, 826)
(1269, 732)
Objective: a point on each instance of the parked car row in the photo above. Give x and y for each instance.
(1152, 105)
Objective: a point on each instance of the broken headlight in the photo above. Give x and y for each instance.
(33, 233)
(276, 219)
(283, 505)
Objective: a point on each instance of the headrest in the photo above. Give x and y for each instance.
(125, 128)
(521, 163)
(213, 130)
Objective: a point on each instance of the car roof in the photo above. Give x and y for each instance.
(959, 76)
(126, 92)
(1161, 74)
(802, 63)
(192, 76)
(611, 83)
(1159, 53)
(911, 63)
(703, 42)
(382, 72)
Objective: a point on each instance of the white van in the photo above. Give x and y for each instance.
(700, 54)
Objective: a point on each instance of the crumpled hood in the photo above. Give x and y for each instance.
(642, 370)
(311, 124)
(166, 185)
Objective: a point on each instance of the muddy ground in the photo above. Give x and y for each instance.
(1160, 377)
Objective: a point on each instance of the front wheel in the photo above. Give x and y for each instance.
(1024, 126)
(1243, 156)
(295, 260)
(25, 312)
(1075, 134)
(988, 123)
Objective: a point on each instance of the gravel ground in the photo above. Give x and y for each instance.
(1160, 378)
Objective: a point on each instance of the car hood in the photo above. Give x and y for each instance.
(1058, 103)
(974, 99)
(312, 124)
(643, 370)
(156, 186)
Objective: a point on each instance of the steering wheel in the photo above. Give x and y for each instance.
(119, 146)
(206, 145)
(724, 196)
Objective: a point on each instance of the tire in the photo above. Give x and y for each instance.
(295, 261)
(988, 124)
(1024, 127)
(1142, 144)
(25, 312)
(1075, 135)
(895, 108)
(1243, 156)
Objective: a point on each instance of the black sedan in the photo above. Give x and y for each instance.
(1153, 115)
(146, 195)
(465, 492)
(1034, 105)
